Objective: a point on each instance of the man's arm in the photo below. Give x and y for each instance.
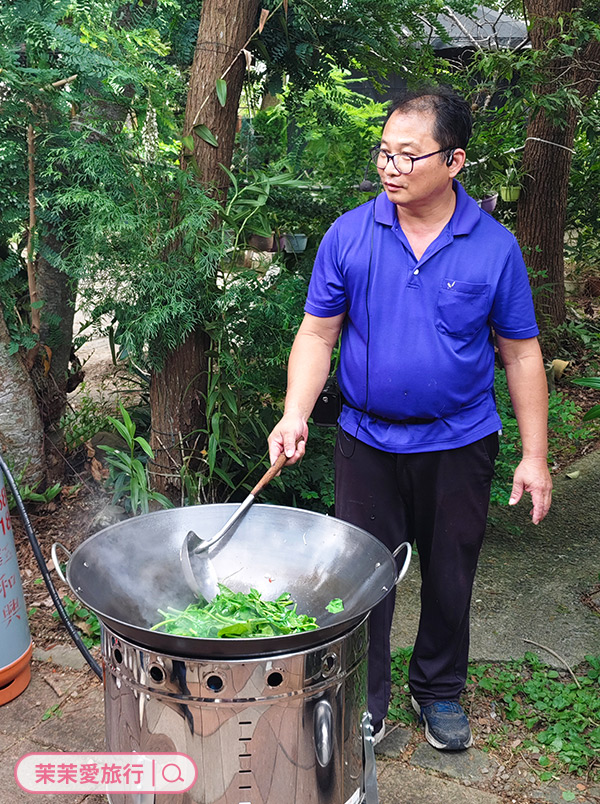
(529, 394)
(308, 370)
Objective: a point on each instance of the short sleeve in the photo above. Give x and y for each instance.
(512, 314)
(326, 291)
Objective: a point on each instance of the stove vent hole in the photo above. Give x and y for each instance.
(118, 656)
(157, 674)
(274, 679)
(329, 664)
(214, 683)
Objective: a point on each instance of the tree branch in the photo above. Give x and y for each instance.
(63, 81)
(31, 278)
(556, 656)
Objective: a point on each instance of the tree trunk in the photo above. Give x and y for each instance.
(176, 395)
(56, 333)
(547, 157)
(224, 30)
(541, 213)
(21, 432)
(177, 405)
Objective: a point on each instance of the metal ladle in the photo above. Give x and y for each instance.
(202, 578)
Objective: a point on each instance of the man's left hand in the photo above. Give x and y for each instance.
(532, 475)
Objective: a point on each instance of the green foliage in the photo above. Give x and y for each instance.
(361, 34)
(84, 619)
(222, 470)
(310, 483)
(81, 423)
(324, 133)
(248, 209)
(74, 72)
(559, 714)
(28, 492)
(398, 710)
(590, 382)
(52, 711)
(128, 473)
(156, 275)
(583, 243)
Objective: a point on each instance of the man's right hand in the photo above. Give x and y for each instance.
(288, 436)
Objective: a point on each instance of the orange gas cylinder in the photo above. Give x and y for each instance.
(15, 678)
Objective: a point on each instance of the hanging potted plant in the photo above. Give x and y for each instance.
(511, 182)
(488, 203)
(246, 213)
(293, 243)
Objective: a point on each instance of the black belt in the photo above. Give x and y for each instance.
(409, 420)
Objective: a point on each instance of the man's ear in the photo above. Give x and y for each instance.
(456, 161)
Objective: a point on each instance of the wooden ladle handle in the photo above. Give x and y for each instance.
(272, 471)
(269, 474)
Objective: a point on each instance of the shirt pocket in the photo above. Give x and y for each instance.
(462, 307)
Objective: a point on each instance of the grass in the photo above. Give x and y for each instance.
(536, 711)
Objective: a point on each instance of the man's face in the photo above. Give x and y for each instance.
(410, 133)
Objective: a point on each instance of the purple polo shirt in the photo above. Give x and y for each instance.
(426, 324)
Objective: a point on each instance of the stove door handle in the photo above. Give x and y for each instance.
(371, 794)
(323, 724)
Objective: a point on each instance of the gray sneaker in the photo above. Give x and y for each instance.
(378, 732)
(446, 725)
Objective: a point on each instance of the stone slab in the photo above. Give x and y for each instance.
(470, 766)
(79, 727)
(401, 785)
(61, 655)
(6, 740)
(24, 712)
(394, 743)
(552, 793)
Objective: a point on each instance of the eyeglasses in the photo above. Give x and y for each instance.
(403, 163)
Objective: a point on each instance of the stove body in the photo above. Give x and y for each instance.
(290, 728)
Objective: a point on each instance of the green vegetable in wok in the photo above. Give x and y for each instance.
(235, 614)
(335, 606)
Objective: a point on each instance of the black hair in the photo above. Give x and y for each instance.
(451, 112)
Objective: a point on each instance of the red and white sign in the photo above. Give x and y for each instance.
(105, 773)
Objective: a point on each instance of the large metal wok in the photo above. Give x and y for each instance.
(128, 571)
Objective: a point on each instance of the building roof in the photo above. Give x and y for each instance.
(488, 28)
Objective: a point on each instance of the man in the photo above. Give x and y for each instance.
(415, 280)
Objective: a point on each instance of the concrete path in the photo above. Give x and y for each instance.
(529, 586)
(531, 578)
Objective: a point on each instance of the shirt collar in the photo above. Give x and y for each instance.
(464, 219)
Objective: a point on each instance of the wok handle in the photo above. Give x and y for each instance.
(56, 562)
(404, 569)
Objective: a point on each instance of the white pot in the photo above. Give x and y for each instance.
(294, 243)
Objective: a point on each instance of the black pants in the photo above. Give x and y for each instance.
(438, 500)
